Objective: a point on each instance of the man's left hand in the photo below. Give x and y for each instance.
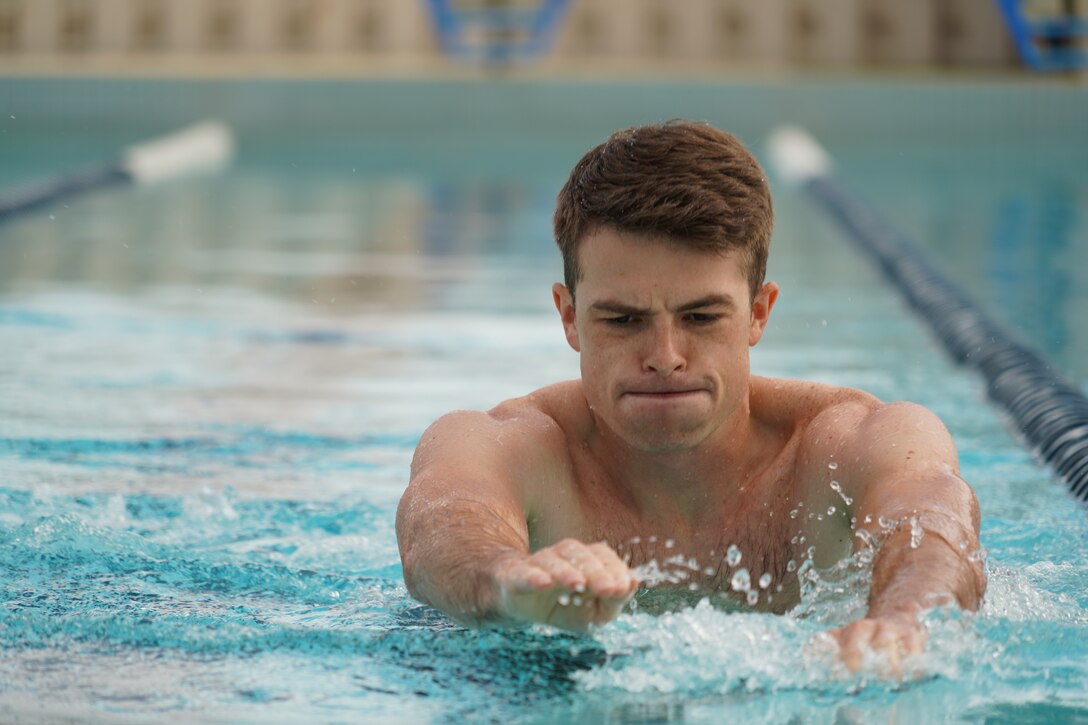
(881, 642)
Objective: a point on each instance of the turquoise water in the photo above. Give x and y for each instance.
(210, 393)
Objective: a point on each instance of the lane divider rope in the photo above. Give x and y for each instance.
(1048, 413)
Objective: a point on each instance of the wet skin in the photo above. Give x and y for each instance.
(516, 515)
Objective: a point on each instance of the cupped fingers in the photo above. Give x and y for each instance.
(568, 563)
(878, 644)
(611, 577)
(602, 572)
(526, 576)
(853, 641)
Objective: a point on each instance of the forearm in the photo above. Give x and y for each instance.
(451, 552)
(928, 560)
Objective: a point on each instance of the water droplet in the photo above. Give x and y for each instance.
(693, 587)
(636, 539)
(732, 556)
(564, 600)
(810, 552)
(765, 580)
(576, 601)
(652, 539)
(833, 465)
(709, 571)
(837, 488)
(669, 543)
(580, 588)
(916, 532)
(753, 597)
(741, 581)
(830, 510)
(793, 514)
(866, 538)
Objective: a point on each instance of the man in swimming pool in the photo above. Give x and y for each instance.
(540, 509)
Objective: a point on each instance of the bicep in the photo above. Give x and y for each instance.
(462, 476)
(908, 468)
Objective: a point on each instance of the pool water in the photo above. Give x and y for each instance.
(210, 393)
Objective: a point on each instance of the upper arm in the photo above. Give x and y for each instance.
(472, 469)
(906, 466)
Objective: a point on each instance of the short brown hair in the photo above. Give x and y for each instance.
(688, 182)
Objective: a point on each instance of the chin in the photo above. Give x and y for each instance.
(661, 439)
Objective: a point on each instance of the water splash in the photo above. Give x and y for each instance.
(916, 532)
(741, 581)
(837, 488)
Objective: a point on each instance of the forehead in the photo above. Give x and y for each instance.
(613, 261)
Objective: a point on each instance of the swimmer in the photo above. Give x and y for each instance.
(541, 509)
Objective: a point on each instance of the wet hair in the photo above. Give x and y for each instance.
(684, 182)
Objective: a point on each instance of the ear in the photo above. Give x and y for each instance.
(564, 302)
(761, 311)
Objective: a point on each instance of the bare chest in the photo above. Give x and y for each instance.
(747, 546)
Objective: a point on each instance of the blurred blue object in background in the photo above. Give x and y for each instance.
(1047, 41)
(496, 32)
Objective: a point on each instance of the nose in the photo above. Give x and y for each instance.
(665, 354)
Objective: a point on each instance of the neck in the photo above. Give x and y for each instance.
(680, 486)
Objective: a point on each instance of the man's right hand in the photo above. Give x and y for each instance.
(570, 585)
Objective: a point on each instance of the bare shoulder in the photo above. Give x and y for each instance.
(853, 425)
(809, 406)
(548, 416)
(838, 425)
(870, 448)
(508, 431)
(511, 452)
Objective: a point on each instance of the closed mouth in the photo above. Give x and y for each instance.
(663, 394)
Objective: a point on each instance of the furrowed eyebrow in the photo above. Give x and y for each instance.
(708, 301)
(615, 307)
(619, 308)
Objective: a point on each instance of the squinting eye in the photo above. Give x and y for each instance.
(702, 318)
(620, 320)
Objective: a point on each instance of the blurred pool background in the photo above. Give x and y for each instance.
(210, 389)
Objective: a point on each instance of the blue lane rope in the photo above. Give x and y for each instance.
(204, 146)
(1049, 413)
(30, 198)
